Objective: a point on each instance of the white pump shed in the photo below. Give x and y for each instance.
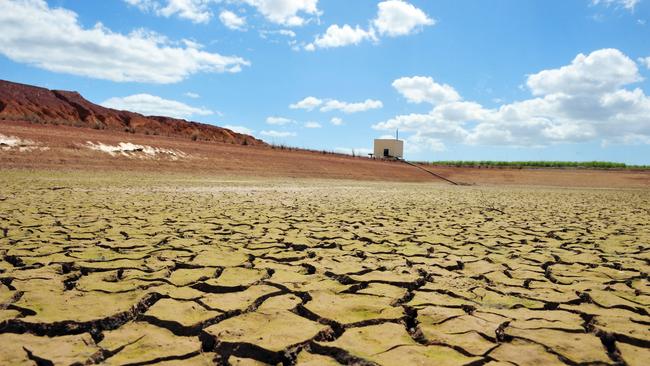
(389, 149)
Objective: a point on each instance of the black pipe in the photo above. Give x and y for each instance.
(430, 172)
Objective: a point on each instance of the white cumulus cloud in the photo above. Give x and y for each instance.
(421, 142)
(278, 120)
(52, 39)
(394, 18)
(312, 124)
(279, 134)
(418, 89)
(308, 103)
(399, 18)
(345, 35)
(336, 105)
(232, 20)
(151, 105)
(327, 105)
(197, 11)
(627, 4)
(282, 32)
(588, 100)
(289, 13)
(144, 5)
(336, 121)
(287, 33)
(602, 70)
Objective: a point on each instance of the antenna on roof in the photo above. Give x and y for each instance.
(397, 134)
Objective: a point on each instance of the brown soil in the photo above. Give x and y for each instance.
(143, 269)
(58, 107)
(67, 150)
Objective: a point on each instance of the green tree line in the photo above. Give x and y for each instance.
(537, 164)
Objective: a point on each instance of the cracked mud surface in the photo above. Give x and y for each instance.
(146, 270)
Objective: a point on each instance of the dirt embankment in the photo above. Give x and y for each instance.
(20, 102)
(64, 147)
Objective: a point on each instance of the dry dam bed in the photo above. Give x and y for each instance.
(137, 270)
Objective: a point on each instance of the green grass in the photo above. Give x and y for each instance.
(539, 164)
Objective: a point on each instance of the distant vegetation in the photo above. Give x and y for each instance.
(486, 163)
(539, 164)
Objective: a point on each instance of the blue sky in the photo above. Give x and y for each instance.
(470, 80)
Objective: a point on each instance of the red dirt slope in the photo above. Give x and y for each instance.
(67, 149)
(20, 102)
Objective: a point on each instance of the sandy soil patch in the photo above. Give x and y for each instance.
(13, 143)
(136, 151)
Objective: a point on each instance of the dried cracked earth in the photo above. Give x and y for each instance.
(138, 270)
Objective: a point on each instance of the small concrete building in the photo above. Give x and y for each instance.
(389, 149)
